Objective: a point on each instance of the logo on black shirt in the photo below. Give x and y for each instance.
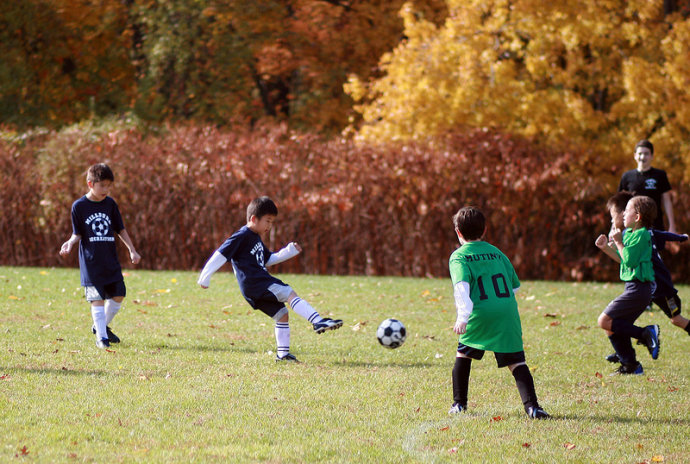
(100, 225)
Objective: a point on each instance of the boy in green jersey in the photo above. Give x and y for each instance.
(484, 284)
(634, 249)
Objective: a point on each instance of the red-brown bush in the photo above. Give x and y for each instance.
(356, 209)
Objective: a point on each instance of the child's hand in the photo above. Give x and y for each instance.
(299, 248)
(135, 257)
(460, 327)
(602, 241)
(66, 248)
(616, 235)
(203, 286)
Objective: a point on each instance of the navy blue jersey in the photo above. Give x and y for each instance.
(662, 276)
(248, 255)
(97, 222)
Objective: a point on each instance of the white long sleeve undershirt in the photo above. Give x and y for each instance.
(289, 251)
(214, 263)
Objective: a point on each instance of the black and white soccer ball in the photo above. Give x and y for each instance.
(391, 333)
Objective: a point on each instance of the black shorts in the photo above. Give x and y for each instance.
(670, 305)
(268, 304)
(632, 302)
(502, 359)
(105, 292)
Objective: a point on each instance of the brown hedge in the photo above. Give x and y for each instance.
(356, 209)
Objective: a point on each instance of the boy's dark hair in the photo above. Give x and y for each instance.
(619, 201)
(646, 208)
(644, 143)
(261, 207)
(471, 223)
(99, 172)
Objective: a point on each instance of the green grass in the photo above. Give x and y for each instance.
(194, 379)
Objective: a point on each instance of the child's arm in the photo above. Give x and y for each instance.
(602, 242)
(214, 263)
(464, 305)
(670, 236)
(69, 244)
(133, 255)
(290, 251)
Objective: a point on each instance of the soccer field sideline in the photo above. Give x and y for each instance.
(194, 380)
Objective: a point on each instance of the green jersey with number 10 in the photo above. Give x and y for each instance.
(494, 323)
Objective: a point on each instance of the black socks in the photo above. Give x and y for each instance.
(461, 380)
(525, 385)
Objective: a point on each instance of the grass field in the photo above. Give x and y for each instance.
(194, 379)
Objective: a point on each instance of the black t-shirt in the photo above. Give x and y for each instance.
(652, 183)
(248, 255)
(97, 222)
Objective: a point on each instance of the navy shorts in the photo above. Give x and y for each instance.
(632, 302)
(669, 305)
(105, 292)
(502, 359)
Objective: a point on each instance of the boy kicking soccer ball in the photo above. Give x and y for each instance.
(484, 284)
(250, 257)
(95, 221)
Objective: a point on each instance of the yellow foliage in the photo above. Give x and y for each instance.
(600, 75)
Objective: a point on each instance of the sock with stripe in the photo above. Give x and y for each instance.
(305, 310)
(282, 331)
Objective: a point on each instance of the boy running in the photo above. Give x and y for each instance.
(634, 252)
(250, 257)
(484, 284)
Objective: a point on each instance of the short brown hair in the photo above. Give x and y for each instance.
(646, 208)
(644, 143)
(99, 172)
(471, 223)
(619, 201)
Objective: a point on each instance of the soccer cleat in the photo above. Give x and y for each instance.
(651, 340)
(112, 338)
(103, 343)
(537, 413)
(613, 358)
(629, 369)
(457, 408)
(327, 324)
(287, 358)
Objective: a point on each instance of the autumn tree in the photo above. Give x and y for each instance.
(598, 75)
(62, 61)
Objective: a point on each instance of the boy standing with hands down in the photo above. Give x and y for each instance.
(484, 284)
(95, 221)
(633, 248)
(249, 257)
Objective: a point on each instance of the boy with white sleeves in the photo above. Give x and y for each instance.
(249, 258)
(484, 284)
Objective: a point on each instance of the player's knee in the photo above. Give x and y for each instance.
(679, 321)
(604, 321)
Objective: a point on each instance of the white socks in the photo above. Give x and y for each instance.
(98, 315)
(305, 310)
(282, 338)
(111, 309)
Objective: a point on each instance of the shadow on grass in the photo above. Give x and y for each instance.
(612, 418)
(395, 364)
(53, 371)
(204, 348)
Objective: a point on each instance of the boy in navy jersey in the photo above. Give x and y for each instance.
(95, 221)
(249, 258)
(664, 294)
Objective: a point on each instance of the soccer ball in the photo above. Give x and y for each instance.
(391, 333)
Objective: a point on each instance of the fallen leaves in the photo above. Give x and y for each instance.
(569, 446)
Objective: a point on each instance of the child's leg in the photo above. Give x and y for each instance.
(525, 385)
(671, 307)
(112, 306)
(98, 316)
(282, 331)
(303, 308)
(623, 348)
(461, 379)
